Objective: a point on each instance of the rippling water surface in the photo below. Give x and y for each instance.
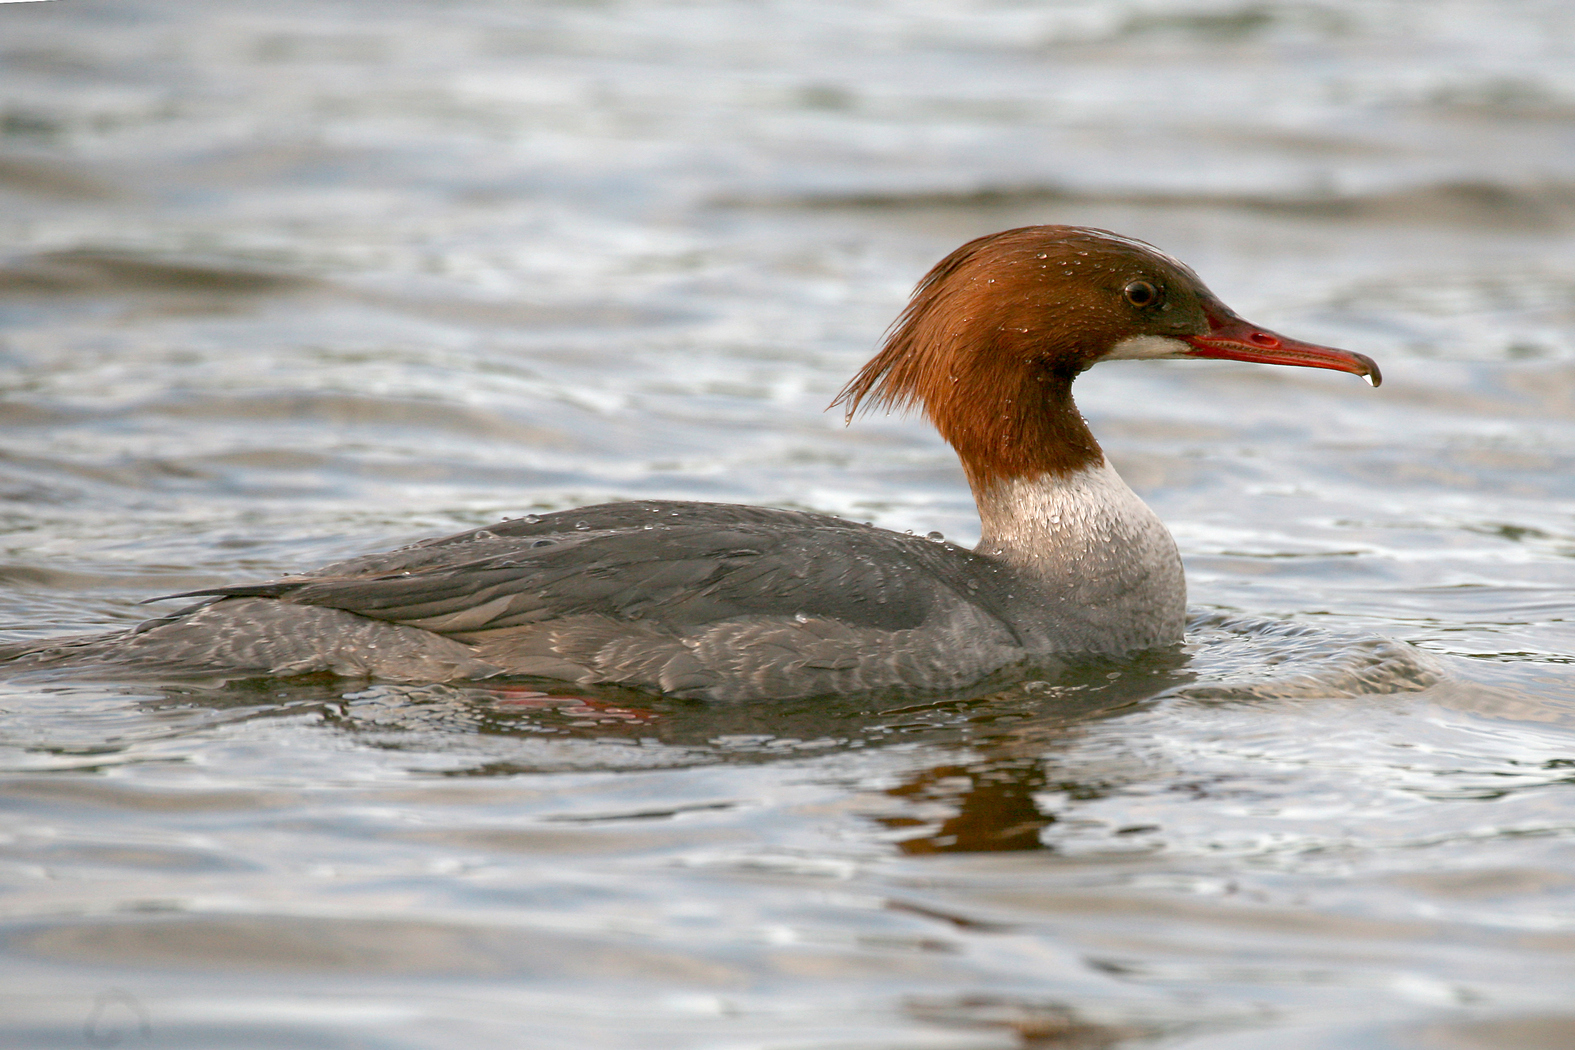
(284, 283)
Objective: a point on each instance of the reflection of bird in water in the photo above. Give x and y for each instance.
(992, 805)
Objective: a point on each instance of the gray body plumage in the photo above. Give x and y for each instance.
(698, 600)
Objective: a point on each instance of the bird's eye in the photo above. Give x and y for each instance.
(1141, 293)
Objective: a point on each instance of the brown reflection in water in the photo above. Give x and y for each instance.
(995, 807)
(1036, 1023)
(992, 799)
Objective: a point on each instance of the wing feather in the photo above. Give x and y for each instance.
(680, 566)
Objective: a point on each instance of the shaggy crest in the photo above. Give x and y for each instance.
(989, 345)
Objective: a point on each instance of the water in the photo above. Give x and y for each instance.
(291, 282)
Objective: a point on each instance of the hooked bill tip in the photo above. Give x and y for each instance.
(1373, 376)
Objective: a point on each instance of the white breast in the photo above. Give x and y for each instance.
(1110, 570)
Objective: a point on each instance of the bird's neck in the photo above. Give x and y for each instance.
(1014, 422)
(1104, 562)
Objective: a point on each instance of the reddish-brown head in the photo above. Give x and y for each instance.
(997, 331)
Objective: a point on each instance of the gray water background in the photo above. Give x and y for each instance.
(282, 283)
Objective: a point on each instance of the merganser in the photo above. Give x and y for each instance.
(723, 602)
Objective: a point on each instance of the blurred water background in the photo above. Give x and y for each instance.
(287, 282)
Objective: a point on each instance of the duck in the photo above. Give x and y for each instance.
(721, 602)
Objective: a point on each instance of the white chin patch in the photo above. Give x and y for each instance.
(1147, 348)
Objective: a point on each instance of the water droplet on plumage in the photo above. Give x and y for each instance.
(935, 536)
(582, 525)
